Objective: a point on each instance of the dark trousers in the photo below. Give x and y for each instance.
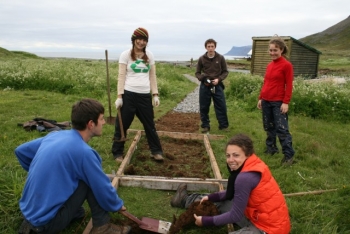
(205, 96)
(141, 106)
(70, 208)
(276, 124)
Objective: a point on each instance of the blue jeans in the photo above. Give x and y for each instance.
(205, 96)
(276, 124)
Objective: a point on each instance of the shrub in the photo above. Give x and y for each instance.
(320, 100)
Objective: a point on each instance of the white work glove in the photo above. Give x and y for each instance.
(156, 101)
(118, 103)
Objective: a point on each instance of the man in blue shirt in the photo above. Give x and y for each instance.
(63, 172)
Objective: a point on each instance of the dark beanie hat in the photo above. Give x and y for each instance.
(140, 33)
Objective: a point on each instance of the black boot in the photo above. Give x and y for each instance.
(25, 228)
(179, 199)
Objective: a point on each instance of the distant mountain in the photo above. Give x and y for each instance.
(239, 51)
(336, 37)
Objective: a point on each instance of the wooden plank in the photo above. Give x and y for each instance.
(128, 155)
(169, 178)
(309, 192)
(151, 181)
(193, 184)
(214, 165)
(115, 182)
(88, 227)
(224, 181)
(184, 135)
(212, 158)
(216, 172)
(253, 58)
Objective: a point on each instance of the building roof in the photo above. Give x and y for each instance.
(289, 38)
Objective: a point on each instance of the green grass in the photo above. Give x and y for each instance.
(244, 63)
(321, 142)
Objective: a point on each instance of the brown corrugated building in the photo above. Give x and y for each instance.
(304, 58)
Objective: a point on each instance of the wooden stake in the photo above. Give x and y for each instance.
(307, 193)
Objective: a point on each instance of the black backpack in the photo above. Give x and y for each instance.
(43, 125)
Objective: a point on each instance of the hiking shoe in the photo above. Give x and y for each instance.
(271, 151)
(110, 228)
(205, 130)
(25, 227)
(287, 161)
(157, 157)
(179, 199)
(119, 159)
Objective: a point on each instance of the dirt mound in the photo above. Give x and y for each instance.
(179, 122)
(182, 158)
(206, 208)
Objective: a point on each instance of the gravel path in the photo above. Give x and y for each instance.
(191, 102)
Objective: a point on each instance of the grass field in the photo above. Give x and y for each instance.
(320, 132)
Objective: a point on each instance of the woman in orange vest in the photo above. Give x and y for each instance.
(253, 199)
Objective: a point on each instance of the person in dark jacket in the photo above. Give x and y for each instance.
(252, 200)
(211, 71)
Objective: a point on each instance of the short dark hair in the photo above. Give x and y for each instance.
(244, 142)
(85, 110)
(209, 41)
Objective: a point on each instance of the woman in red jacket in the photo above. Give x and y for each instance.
(274, 99)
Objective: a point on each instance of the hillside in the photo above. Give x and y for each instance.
(333, 38)
(5, 53)
(13, 54)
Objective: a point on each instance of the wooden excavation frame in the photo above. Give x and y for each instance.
(166, 183)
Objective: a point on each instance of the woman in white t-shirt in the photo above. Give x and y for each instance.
(137, 83)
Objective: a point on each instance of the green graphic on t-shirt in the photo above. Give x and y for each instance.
(139, 66)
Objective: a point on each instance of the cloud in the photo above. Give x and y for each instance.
(175, 27)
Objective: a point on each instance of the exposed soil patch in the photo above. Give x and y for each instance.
(182, 158)
(179, 122)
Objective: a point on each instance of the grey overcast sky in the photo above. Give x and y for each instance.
(175, 27)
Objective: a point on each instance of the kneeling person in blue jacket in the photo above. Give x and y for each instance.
(63, 172)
